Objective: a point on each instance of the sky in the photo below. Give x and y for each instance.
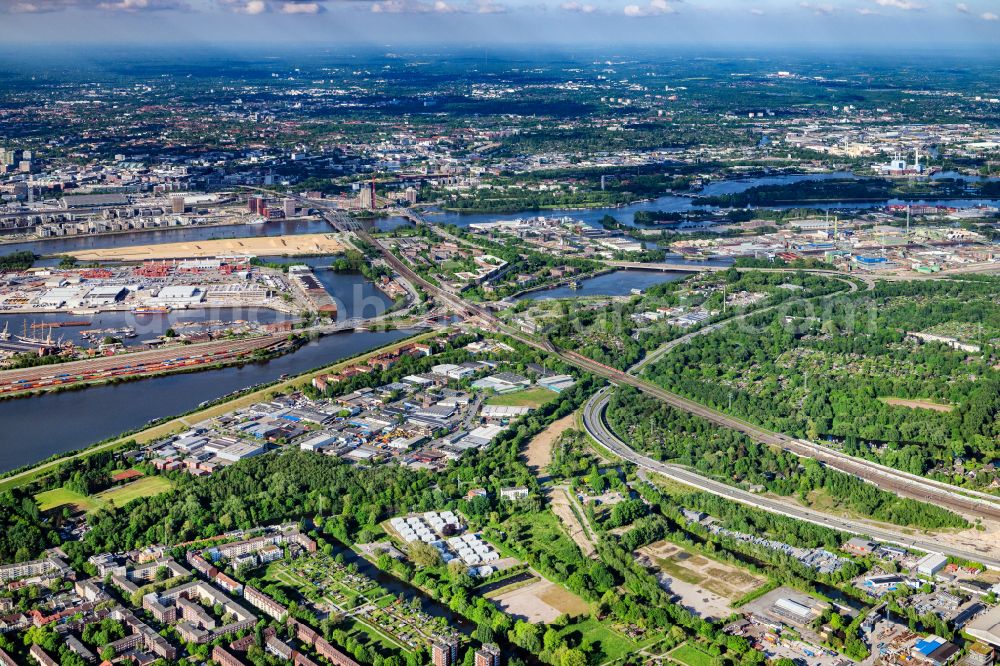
(890, 25)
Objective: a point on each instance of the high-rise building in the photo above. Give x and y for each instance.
(177, 203)
(26, 155)
(6, 156)
(445, 652)
(488, 655)
(411, 195)
(365, 197)
(255, 203)
(289, 207)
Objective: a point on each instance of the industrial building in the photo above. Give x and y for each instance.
(930, 564)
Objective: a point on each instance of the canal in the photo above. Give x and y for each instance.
(617, 283)
(38, 427)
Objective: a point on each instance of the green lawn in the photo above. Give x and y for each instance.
(144, 487)
(147, 486)
(544, 533)
(691, 655)
(611, 644)
(51, 499)
(530, 397)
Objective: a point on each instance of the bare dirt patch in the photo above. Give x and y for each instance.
(255, 246)
(560, 504)
(703, 585)
(542, 601)
(985, 541)
(918, 404)
(539, 452)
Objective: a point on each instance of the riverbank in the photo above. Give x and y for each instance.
(258, 246)
(184, 420)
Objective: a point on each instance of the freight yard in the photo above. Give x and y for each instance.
(138, 364)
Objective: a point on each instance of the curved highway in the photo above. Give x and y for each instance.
(593, 420)
(883, 477)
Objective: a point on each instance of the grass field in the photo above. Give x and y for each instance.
(609, 643)
(691, 655)
(51, 499)
(144, 487)
(531, 397)
(120, 496)
(545, 533)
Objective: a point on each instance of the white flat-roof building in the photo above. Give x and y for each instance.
(930, 564)
(179, 295)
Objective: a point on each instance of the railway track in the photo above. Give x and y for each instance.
(886, 478)
(596, 426)
(966, 503)
(134, 364)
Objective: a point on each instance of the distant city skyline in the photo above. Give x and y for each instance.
(892, 25)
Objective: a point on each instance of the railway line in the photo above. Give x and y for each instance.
(967, 503)
(596, 426)
(886, 478)
(134, 364)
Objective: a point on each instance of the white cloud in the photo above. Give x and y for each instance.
(582, 8)
(130, 6)
(654, 8)
(905, 5)
(756, 12)
(139, 5)
(437, 7)
(489, 7)
(989, 16)
(249, 7)
(962, 8)
(309, 8)
(821, 10)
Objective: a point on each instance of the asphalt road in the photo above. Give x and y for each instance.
(593, 419)
(881, 476)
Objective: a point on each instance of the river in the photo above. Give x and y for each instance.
(683, 204)
(146, 326)
(37, 427)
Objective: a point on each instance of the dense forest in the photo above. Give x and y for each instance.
(729, 456)
(846, 373)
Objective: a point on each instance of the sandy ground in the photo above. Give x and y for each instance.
(539, 451)
(257, 246)
(542, 601)
(986, 541)
(710, 585)
(560, 503)
(919, 404)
